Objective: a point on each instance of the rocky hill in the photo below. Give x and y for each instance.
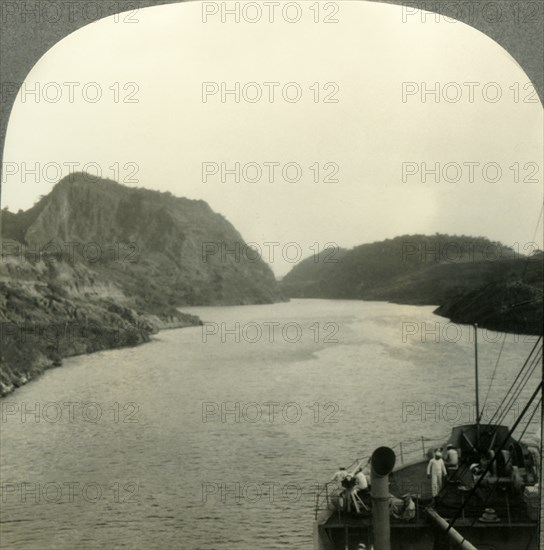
(96, 265)
(450, 271)
(511, 306)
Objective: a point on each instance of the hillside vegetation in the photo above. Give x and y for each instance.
(95, 265)
(471, 279)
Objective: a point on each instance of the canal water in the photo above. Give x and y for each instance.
(214, 437)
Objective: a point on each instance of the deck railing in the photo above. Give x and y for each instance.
(407, 451)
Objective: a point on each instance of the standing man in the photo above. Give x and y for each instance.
(436, 471)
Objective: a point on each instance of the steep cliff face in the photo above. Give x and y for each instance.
(96, 265)
(178, 250)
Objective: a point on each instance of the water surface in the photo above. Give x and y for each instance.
(362, 374)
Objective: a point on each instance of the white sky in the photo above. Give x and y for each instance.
(369, 133)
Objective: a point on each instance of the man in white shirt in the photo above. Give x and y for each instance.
(360, 480)
(436, 471)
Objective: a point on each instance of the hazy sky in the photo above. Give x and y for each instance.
(167, 132)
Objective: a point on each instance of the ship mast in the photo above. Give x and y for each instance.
(476, 385)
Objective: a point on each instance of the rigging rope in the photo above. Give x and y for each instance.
(530, 419)
(494, 372)
(535, 363)
(516, 379)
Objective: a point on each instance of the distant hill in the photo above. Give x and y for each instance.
(428, 270)
(121, 260)
(313, 277)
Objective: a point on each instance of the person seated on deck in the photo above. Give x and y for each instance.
(361, 481)
(487, 462)
(477, 470)
(396, 506)
(409, 512)
(402, 508)
(362, 488)
(451, 460)
(339, 476)
(350, 492)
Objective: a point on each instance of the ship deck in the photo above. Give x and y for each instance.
(497, 494)
(509, 506)
(512, 522)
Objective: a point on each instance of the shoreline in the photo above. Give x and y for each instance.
(141, 333)
(127, 337)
